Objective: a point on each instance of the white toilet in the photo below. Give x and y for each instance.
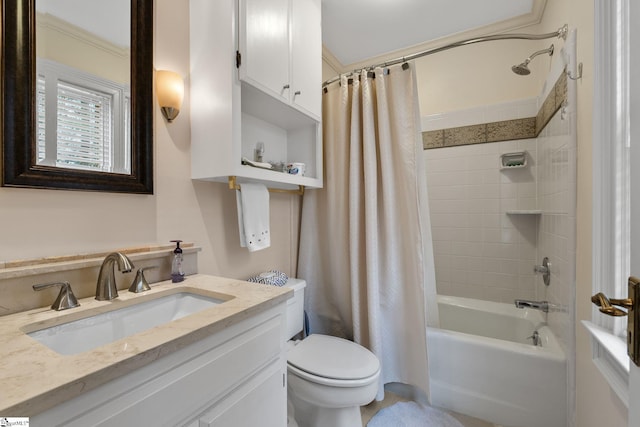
(329, 378)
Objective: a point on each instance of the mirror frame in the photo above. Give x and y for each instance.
(19, 168)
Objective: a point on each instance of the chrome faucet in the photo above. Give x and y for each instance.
(65, 300)
(538, 305)
(106, 288)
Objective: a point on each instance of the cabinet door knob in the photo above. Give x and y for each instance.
(297, 93)
(285, 87)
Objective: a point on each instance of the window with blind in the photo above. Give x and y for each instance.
(82, 120)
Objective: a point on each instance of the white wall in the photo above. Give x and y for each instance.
(37, 223)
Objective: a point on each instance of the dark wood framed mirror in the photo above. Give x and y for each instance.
(20, 166)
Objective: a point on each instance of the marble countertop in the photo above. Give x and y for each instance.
(35, 378)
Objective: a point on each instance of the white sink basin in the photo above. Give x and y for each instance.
(92, 332)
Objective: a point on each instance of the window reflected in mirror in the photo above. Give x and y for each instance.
(83, 85)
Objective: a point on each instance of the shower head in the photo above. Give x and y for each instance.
(523, 68)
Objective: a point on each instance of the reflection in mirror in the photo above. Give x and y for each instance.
(82, 84)
(77, 108)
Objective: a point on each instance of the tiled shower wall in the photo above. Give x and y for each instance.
(481, 252)
(482, 248)
(556, 231)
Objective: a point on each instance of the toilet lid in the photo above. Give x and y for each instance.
(332, 357)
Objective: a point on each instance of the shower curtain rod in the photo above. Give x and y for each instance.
(561, 33)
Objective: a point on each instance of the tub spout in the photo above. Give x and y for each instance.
(538, 305)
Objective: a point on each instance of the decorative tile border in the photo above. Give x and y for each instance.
(506, 130)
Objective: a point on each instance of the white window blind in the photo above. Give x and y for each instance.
(84, 128)
(82, 120)
(41, 112)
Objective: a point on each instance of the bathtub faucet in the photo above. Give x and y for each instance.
(538, 305)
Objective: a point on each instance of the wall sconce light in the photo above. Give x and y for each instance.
(170, 92)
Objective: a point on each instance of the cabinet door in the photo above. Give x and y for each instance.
(264, 45)
(306, 55)
(262, 401)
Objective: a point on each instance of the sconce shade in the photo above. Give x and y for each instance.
(170, 92)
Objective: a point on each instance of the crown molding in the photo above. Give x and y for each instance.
(532, 18)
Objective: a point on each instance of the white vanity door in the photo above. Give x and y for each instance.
(258, 403)
(214, 375)
(264, 45)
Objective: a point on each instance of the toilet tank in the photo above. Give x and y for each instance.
(295, 307)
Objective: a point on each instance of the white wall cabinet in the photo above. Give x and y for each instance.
(306, 54)
(273, 96)
(236, 377)
(264, 45)
(280, 43)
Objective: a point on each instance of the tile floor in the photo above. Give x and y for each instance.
(390, 398)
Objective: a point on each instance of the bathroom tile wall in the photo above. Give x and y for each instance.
(556, 232)
(484, 250)
(480, 251)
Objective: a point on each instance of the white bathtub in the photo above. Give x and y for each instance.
(482, 364)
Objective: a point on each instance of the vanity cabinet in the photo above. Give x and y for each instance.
(256, 78)
(236, 377)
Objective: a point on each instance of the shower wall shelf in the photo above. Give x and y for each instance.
(513, 160)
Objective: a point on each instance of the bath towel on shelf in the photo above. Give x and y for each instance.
(253, 216)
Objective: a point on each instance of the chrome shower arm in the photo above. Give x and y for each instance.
(548, 50)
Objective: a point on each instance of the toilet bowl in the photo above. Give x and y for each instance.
(328, 378)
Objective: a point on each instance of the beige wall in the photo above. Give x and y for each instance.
(327, 71)
(477, 75)
(36, 223)
(474, 75)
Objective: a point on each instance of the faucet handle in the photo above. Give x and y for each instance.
(66, 299)
(535, 337)
(140, 283)
(545, 270)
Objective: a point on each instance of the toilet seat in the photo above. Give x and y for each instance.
(330, 381)
(333, 361)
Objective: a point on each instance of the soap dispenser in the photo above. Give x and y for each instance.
(177, 274)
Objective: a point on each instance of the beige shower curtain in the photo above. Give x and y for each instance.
(365, 244)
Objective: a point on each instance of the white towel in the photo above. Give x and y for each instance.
(253, 216)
